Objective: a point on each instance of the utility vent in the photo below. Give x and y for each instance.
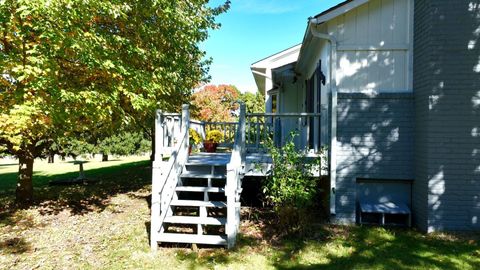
(384, 201)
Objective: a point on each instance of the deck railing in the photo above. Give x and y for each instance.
(226, 128)
(261, 127)
(235, 172)
(167, 131)
(172, 139)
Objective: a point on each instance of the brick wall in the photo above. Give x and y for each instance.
(447, 125)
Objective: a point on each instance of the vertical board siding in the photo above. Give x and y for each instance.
(377, 21)
(401, 21)
(362, 32)
(373, 42)
(388, 13)
(381, 71)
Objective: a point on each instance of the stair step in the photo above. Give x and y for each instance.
(196, 220)
(192, 238)
(206, 163)
(199, 189)
(198, 203)
(202, 175)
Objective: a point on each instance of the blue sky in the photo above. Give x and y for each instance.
(254, 29)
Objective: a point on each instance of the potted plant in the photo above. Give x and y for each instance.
(193, 138)
(213, 138)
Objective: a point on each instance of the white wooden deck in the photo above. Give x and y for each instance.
(257, 164)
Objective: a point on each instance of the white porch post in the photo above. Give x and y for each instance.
(333, 143)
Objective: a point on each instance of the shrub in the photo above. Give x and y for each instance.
(291, 187)
(214, 136)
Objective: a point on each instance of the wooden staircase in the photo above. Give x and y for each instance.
(196, 202)
(198, 209)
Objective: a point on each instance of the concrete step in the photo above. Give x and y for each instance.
(200, 189)
(198, 203)
(195, 220)
(192, 238)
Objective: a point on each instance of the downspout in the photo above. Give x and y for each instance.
(333, 89)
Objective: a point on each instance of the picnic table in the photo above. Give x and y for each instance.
(80, 179)
(81, 174)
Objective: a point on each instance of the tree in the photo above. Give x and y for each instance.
(124, 144)
(255, 103)
(215, 103)
(69, 67)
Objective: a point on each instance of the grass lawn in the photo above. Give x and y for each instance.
(105, 226)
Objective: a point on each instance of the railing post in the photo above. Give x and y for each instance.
(242, 120)
(185, 118)
(156, 180)
(257, 134)
(159, 135)
(230, 227)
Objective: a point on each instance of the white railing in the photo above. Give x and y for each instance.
(228, 129)
(275, 127)
(169, 132)
(235, 172)
(165, 175)
(261, 127)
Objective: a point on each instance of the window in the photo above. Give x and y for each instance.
(274, 103)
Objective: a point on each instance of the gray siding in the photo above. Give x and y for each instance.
(375, 140)
(421, 59)
(447, 106)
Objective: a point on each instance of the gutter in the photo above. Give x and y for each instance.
(312, 25)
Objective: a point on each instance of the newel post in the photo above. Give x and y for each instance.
(156, 180)
(185, 123)
(159, 133)
(242, 123)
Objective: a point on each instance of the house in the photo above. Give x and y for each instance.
(391, 87)
(397, 87)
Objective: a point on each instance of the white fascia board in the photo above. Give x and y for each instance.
(340, 11)
(282, 58)
(259, 80)
(265, 66)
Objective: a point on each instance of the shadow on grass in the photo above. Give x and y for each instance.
(10, 164)
(356, 247)
(211, 257)
(81, 199)
(15, 245)
(340, 247)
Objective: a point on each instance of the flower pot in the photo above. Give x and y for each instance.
(210, 147)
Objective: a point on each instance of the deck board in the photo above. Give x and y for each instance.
(257, 164)
(217, 159)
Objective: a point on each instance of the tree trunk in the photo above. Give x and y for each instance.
(51, 158)
(104, 157)
(24, 192)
